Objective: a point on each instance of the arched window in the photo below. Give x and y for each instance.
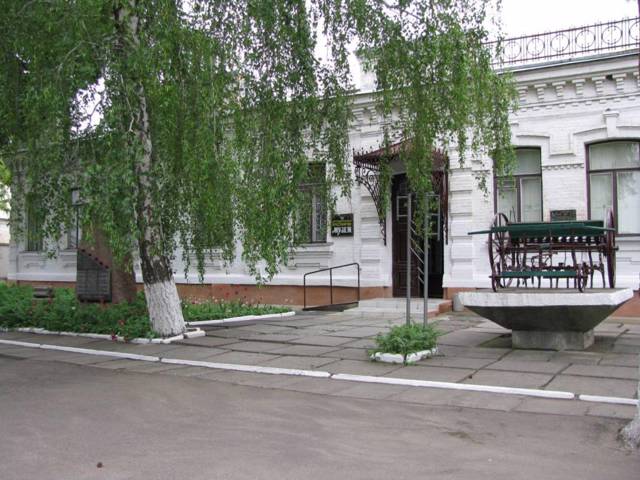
(614, 183)
(520, 197)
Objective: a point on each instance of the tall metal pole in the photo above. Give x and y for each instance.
(409, 217)
(425, 264)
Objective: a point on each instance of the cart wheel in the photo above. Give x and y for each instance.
(499, 246)
(610, 248)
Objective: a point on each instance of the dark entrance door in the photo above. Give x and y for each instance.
(399, 189)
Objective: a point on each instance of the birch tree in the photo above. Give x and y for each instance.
(189, 125)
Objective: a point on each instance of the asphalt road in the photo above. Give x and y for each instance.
(60, 421)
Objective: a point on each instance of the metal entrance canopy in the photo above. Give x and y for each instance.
(368, 169)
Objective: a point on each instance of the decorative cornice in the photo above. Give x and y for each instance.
(563, 166)
(604, 88)
(599, 84)
(540, 90)
(559, 86)
(579, 86)
(619, 79)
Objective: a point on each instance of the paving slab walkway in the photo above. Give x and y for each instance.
(473, 351)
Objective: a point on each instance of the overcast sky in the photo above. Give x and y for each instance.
(521, 17)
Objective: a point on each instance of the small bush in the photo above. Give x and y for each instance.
(407, 339)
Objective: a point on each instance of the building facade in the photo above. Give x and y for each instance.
(4, 245)
(577, 138)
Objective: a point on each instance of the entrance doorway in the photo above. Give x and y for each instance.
(400, 230)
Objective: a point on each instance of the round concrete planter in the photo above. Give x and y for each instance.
(397, 358)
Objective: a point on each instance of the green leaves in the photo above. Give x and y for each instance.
(407, 339)
(65, 313)
(239, 101)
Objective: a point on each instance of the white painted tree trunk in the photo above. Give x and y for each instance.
(163, 302)
(165, 312)
(631, 433)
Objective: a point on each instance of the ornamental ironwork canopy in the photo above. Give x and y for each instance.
(368, 169)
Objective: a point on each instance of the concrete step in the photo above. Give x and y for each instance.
(399, 305)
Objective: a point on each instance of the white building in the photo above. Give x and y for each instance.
(4, 245)
(577, 134)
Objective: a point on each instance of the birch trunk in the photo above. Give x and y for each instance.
(163, 302)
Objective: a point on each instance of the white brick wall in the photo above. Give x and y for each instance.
(591, 105)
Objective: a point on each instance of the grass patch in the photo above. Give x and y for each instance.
(218, 309)
(64, 313)
(407, 339)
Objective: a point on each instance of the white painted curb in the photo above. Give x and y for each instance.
(245, 318)
(248, 368)
(18, 343)
(398, 358)
(614, 400)
(530, 392)
(86, 351)
(196, 332)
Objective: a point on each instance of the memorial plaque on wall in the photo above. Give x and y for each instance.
(342, 225)
(93, 279)
(563, 215)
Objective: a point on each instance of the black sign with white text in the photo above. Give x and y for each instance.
(342, 225)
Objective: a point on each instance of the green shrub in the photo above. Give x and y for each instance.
(64, 313)
(407, 339)
(217, 309)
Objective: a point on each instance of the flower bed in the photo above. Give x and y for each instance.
(64, 313)
(406, 344)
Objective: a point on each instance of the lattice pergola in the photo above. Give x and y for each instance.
(367, 173)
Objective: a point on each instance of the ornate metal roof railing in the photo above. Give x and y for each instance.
(606, 37)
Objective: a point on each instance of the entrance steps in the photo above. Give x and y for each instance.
(436, 306)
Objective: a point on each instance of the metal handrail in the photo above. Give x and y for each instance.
(330, 270)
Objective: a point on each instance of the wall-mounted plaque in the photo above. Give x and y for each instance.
(342, 225)
(93, 279)
(563, 215)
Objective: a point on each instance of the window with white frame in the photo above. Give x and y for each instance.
(519, 197)
(614, 183)
(311, 223)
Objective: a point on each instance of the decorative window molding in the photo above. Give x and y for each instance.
(613, 173)
(314, 255)
(520, 197)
